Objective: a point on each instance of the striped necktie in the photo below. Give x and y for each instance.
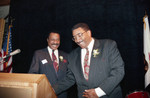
(55, 64)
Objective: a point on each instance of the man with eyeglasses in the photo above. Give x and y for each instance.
(51, 61)
(96, 66)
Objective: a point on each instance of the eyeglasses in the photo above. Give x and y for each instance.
(78, 35)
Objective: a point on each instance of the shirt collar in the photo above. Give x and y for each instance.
(50, 50)
(90, 46)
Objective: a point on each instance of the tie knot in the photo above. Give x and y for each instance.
(53, 51)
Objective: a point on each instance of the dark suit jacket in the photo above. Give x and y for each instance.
(106, 71)
(46, 67)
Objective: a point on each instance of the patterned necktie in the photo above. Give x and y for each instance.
(86, 65)
(55, 64)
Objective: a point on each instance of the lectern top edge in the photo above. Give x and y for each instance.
(21, 77)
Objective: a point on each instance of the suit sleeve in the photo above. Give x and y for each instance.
(66, 82)
(116, 73)
(34, 68)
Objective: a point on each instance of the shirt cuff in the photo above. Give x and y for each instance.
(99, 92)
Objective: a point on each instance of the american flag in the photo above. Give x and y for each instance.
(6, 63)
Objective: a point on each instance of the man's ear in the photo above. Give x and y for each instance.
(89, 32)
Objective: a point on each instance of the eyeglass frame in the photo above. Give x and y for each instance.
(79, 35)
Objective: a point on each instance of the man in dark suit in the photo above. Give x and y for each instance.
(51, 61)
(96, 66)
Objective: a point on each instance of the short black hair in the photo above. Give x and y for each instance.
(53, 31)
(81, 25)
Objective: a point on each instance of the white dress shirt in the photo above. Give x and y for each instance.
(98, 90)
(55, 52)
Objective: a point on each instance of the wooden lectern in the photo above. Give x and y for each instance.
(13, 85)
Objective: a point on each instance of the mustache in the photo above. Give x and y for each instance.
(79, 42)
(55, 44)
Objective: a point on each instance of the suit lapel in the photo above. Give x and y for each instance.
(79, 64)
(47, 56)
(60, 62)
(94, 60)
(49, 68)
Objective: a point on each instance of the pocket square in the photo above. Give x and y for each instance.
(44, 61)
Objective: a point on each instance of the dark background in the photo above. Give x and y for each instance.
(120, 20)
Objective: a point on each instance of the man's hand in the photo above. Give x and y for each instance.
(90, 93)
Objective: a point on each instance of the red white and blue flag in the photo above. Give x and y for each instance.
(6, 63)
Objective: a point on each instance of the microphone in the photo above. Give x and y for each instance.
(12, 53)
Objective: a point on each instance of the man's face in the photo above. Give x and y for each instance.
(53, 41)
(82, 37)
